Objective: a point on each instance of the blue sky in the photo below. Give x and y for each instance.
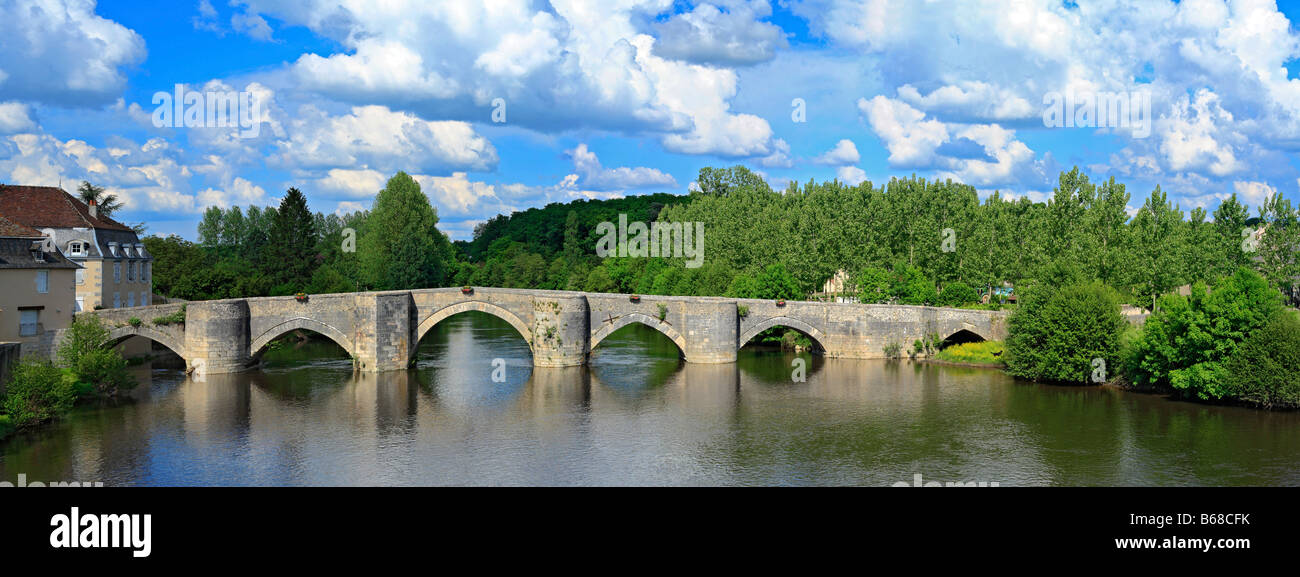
(604, 98)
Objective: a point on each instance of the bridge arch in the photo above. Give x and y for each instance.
(627, 319)
(339, 337)
(962, 336)
(120, 334)
(812, 332)
(463, 307)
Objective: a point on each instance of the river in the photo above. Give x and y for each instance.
(637, 415)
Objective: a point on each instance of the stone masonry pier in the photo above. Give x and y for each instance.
(381, 330)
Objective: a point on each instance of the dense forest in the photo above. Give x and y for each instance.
(912, 241)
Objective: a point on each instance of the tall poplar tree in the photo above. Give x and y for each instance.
(402, 248)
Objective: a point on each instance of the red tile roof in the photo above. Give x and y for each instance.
(48, 206)
(10, 228)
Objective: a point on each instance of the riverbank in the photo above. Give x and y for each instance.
(987, 354)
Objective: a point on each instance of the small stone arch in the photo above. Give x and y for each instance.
(627, 319)
(796, 324)
(334, 334)
(120, 334)
(462, 307)
(962, 336)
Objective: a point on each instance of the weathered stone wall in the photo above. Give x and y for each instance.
(863, 331)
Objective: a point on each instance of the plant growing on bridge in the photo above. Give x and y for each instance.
(893, 350)
(175, 318)
(742, 311)
(663, 312)
(135, 322)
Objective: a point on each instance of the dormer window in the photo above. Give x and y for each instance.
(112, 248)
(77, 248)
(139, 251)
(38, 255)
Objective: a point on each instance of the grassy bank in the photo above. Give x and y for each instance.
(982, 353)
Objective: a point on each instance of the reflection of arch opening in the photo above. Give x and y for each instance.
(463, 307)
(116, 336)
(818, 338)
(625, 320)
(259, 344)
(961, 337)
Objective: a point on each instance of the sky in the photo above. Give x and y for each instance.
(503, 105)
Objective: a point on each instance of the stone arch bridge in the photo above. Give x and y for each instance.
(381, 330)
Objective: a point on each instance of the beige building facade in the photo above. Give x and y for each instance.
(38, 289)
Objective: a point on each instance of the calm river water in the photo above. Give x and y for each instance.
(639, 416)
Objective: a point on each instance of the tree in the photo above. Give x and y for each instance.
(1265, 369)
(106, 204)
(1155, 269)
(1184, 343)
(958, 294)
(1278, 244)
(1230, 227)
(292, 243)
(402, 248)
(37, 392)
(1058, 334)
(874, 285)
(572, 238)
(83, 352)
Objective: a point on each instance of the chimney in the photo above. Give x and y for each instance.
(94, 210)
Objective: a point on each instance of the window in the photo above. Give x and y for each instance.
(130, 271)
(29, 323)
(38, 255)
(81, 276)
(130, 300)
(81, 304)
(117, 271)
(76, 248)
(43, 281)
(144, 299)
(117, 300)
(139, 271)
(112, 248)
(145, 278)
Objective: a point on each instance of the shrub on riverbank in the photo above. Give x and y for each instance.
(36, 393)
(6, 426)
(83, 353)
(1056, 334)
(1265, 369)
(1184, 345)
(982, 353)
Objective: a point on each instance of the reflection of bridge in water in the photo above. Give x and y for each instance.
(381, 330)
(551, 412)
